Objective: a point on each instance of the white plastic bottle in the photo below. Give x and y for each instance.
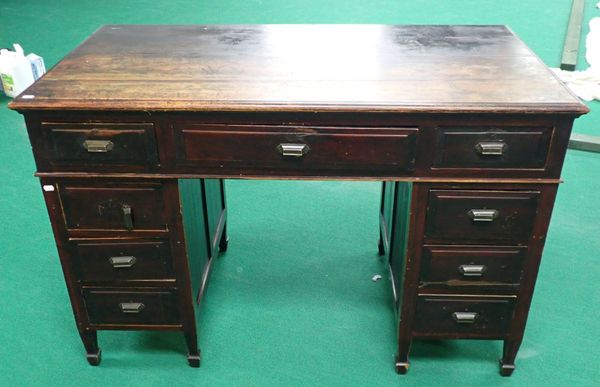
(15, 71)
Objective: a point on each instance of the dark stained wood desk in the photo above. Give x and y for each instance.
(134, 131)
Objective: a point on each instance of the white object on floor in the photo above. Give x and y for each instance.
(586, 84)
(592, 43)
(376, 278)
(17, 71)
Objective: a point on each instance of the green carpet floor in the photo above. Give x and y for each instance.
(292, 301)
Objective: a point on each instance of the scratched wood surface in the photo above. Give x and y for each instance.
(301, 67)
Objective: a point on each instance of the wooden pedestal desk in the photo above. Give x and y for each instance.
(133, 131)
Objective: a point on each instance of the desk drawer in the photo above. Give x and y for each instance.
(123, 260)
(463, 316)
(114, 206)
(100, 143)
(480, 215)
(511, 148)
(131, 307)
(296, 148)
(471, 265)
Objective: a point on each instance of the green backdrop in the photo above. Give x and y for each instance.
(292, 301)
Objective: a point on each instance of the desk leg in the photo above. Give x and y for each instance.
(528, 278)
(388, 190)
(224, 236)
(215, 213)
(382, 221)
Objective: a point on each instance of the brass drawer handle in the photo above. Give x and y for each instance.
(131, 307)
(465, 317)
(483, 215)
(472, 270)
(293, 150)
(127, 217)
(490, 148)
(98, 146)
(122, 262)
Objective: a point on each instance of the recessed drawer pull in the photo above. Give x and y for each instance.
(490, 148)
(482, 215)
(472, 270)
(98, 146)
(122, 262)
(131, 307)
(127, 217)
(465, 317)
(293, 150)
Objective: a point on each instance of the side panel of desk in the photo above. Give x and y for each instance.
(394, 226)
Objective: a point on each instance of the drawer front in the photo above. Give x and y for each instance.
(480, 215)
(100, 143)
(124, 306)
(113, 207)
(123, 260)
(296, 148)
(468, 265)
(513, 148)
(463, 316)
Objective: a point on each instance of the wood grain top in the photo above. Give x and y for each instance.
(302, 68)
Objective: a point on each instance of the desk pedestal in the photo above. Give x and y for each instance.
(137, 253)
(464, 259)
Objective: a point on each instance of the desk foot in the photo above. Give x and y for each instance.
(380, 248)
(94, 358)
(224, 242)
(90, 342)
(402, 367)
(509, 354)
(191, 340)
(506, 369)
(223, 245)
(194, 360)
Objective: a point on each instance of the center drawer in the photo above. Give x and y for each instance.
(131, 307)
(311, 149)
(118, 260)
(113, 206)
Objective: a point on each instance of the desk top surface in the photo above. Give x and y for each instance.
(405, 69)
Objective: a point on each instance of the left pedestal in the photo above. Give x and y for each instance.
(136, 253)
